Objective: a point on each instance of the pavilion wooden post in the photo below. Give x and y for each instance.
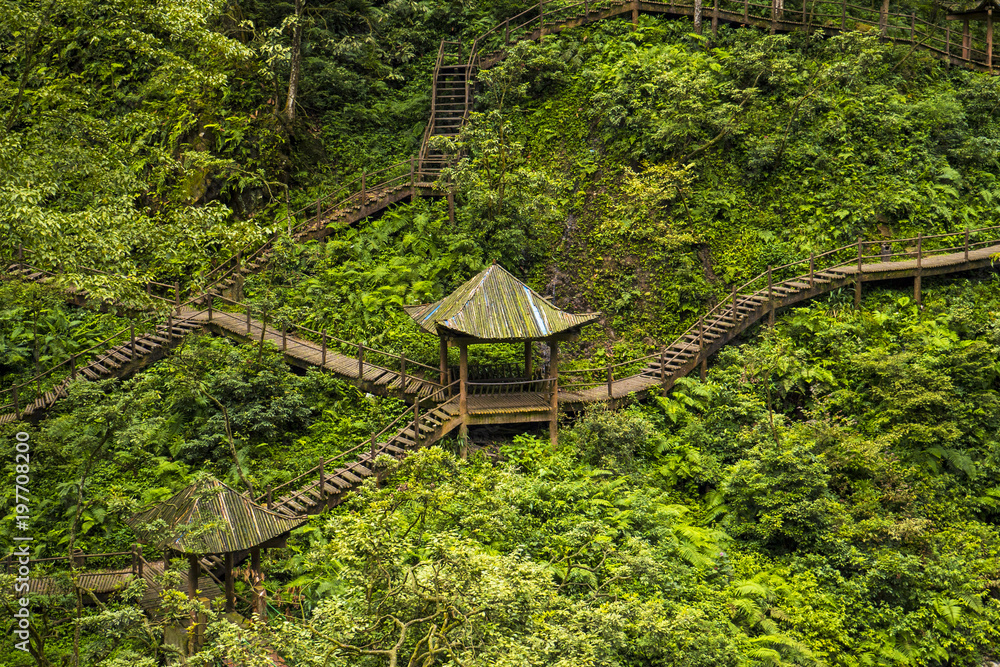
(770, 298)
(916, 278)
(194, 572)
(257, 577)
(443, 361)
(463, 396)
(230, 585)
(554, 377)
(527, 360)
(857, 280)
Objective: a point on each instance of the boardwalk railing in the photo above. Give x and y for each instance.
(324, 344)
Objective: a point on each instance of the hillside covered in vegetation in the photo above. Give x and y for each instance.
(828, 495)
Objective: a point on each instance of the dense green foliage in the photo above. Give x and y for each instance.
(827, 497)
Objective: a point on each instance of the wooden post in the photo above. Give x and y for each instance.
(131, 332)
(586, 11)
(917, 296)
(966, 39)
(322, 478)
(416, 420)
(322, 354)
(17, 407)
(843, 16)
(412, 182)
(372, 457)
(443, 360)
(883, 18)
(947, 41)
(402, 374)
(20, 256)
(319, 209)
(451, 206)
(170, 327)
(139, 561)
(541, 22)
(635, 13)
(506, 32)
(734, 305)
(364, 193)
(361, 361)
(701, 349)
(248, 319)
(527, 360)
(284, 337)
(715, 17)
(663, 369)
(270, 497)
(770, 298)
(463, 397)
(230, 585)
(746, 11)
(857, 280)
(554, 375)
(913, 26)
(72, 366)
(989, 40)
(697, 16)
(177, 296)
(194, 572)
(257, 577)
(966, 244)
(211, 303)
(812, 269)
(611, 381)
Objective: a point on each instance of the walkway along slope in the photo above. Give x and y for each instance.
(329, 483)
(452, 97)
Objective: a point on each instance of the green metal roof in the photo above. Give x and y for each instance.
(496, 306)
(209, 517)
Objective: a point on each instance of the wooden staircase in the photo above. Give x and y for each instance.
(119, 361)
(451, 103)
(326, 488)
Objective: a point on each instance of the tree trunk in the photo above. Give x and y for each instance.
(293, 77)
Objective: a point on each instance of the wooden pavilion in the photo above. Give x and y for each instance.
(496, 307)
(982, 12)
(209, 520)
